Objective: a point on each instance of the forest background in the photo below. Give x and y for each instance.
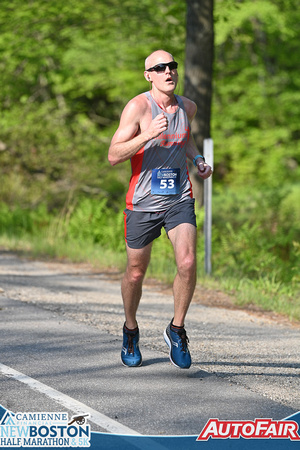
(68, 69)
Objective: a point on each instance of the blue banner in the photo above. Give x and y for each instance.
(37, 430)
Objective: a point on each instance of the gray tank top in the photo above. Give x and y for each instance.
(160, 175)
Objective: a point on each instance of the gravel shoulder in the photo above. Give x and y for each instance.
(256, 350)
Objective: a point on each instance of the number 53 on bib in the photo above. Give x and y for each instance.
(165, 181)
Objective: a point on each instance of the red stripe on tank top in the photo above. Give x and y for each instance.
(136, 168)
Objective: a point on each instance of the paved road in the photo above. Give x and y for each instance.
(61, 326)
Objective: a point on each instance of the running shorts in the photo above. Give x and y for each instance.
(141, 228)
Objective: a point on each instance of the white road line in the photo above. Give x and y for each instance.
(79, 408)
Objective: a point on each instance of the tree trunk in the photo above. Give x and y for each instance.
(198, 75)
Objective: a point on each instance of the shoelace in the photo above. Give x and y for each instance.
(130, 344)
(184, 340)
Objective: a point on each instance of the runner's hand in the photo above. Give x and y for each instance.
(204, 170)
(158, 125)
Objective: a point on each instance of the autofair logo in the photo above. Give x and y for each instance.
(44, 429)
(258, 429)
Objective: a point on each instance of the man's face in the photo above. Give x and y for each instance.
(163, 72)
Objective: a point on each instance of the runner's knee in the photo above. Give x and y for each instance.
(187, 265)
(135, 274)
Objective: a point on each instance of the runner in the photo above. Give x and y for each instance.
(154, 133)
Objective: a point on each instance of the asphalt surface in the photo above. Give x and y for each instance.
(61, 325)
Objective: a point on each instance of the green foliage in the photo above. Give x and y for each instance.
(256, 107)
(92, 222)
(66, 71)
(17, 221)
(259, 237)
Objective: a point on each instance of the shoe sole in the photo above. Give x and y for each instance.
(168, 342)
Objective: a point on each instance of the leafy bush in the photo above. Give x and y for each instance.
(256, 235)
(94, 222)
(18, 221)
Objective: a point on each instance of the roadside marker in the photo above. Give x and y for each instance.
(208, 151)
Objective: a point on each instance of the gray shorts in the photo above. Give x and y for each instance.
(141, 228)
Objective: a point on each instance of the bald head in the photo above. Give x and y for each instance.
(157, 57)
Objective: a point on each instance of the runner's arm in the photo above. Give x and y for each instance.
(128, 139)
(204, 170)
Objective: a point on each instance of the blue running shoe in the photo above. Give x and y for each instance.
(131, 355)
(178, 344)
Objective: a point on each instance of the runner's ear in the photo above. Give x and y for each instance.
(147, 76)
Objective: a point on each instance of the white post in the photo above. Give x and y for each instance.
(208, 153)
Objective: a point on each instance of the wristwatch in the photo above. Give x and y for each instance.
(195, 159)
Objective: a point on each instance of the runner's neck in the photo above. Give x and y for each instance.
(166, 103)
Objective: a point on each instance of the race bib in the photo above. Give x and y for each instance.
(165, 181)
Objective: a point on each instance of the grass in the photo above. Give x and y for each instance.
(267, 293)
(64, 250)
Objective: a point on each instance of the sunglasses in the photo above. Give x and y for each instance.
(159, 68)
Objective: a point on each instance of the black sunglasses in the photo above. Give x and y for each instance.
(159, 68)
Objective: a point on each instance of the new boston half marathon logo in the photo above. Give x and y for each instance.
(44, 429)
